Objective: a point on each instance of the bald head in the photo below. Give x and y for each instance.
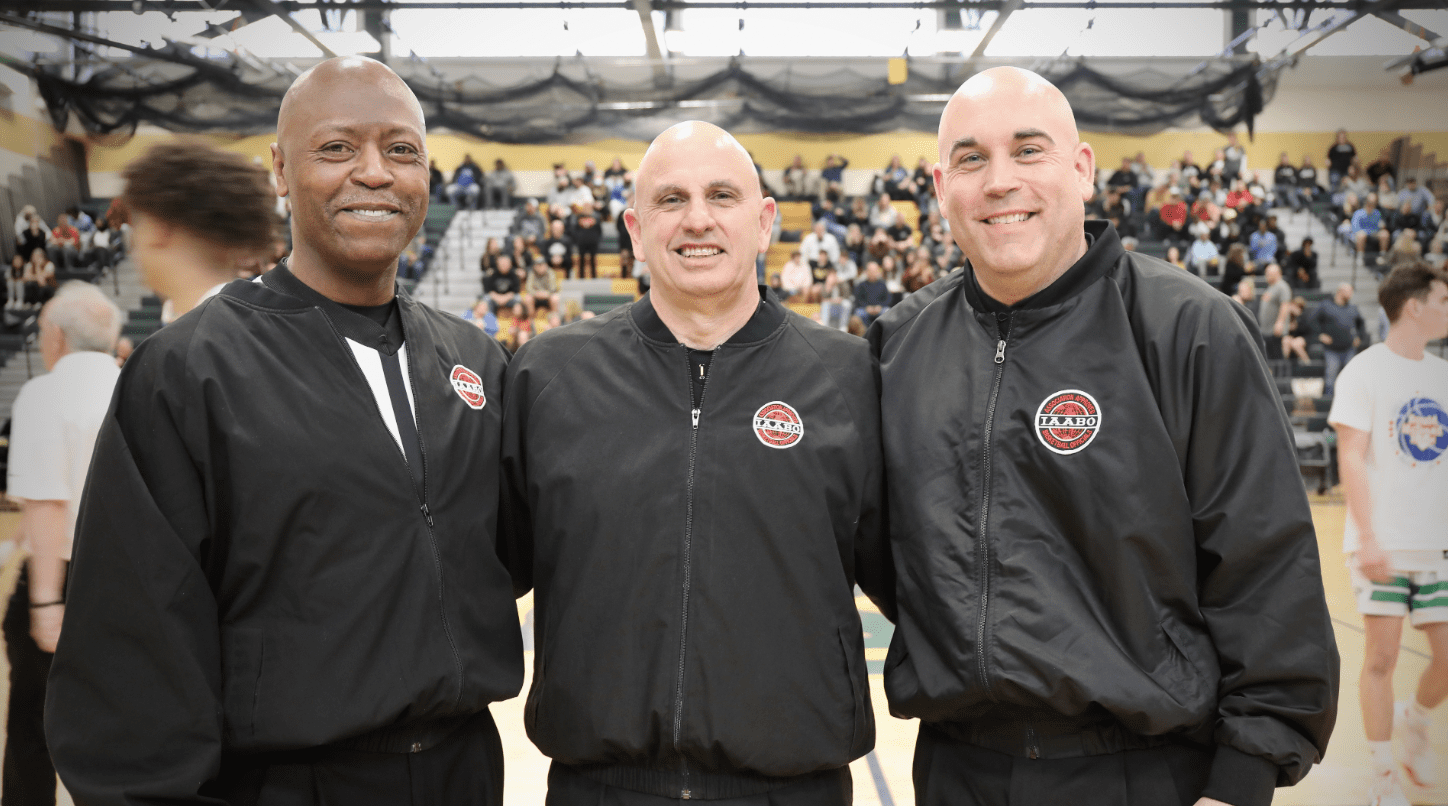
(327, 79)
(695, 140)
(1010, 87)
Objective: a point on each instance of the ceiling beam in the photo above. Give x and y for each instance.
(1006, 10)
(292, 6)
(658, 53)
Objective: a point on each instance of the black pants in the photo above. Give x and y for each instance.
(949, 773)
(465, 769)
(569, 788)
(29, 775)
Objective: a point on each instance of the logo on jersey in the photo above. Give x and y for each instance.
(778, 425)
(1421, 430)
(1067, 421)
(469, 386)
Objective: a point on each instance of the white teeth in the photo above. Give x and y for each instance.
(703, 251)
(1008, 219)
(374, 214)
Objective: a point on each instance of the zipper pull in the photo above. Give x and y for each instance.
(695, 415)
(1001, 351)
(427, 514)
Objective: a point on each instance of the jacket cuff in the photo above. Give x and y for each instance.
(1240, 779)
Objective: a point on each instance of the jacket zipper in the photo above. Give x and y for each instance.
(695, 412)
(1004, 329)
(422, 503)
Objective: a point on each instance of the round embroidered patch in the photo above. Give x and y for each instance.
(469, 386)
(1421, 429)
(1067, 421)
(778, 425)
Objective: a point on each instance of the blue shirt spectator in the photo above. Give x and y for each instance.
(1263, 245)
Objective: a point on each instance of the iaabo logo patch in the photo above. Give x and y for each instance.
(778, 425)
(469, 386)
(1067, 421)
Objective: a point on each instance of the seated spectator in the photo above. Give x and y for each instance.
(919, 275)
(1438, 238)
(1405, 249)
(1236, 267)
(1123, 179)
(1355, 183)
(854, 246)
(579, 195)
(541, 290)
(83, 222)
(34, 236)
(22, 221)
(102, 247)
(413, 260)
(529, 224)
(1308, 189)
(890, 273)
(524, 252)
(1156, 198)
(882, 214)
(1174, 257)
(560, 195)
(1284, 185)
(585, 228)
(798, 184)
(1116, 208)
(1129, 243)
(1189, 168)
(1173, 217)
(896, 181)
(1302, 267)
(1294, 338)
(823, 278)
(833, 172)
(436, 184)
(39, 279)
(1403, 218)
(819, 240)
(64, 249)
(1384, 177)
(872, 296)
(1239, 197)
(15, 285)
(1262, 245)
(857, 213)
(492, 250)
(1367, 226)
(1202, 256)
(1246, 294)
(1420, 198)
(500, 185)
(902, 237)
(558, 244)
(483, 318)
(614, 176)
(467, 185)
(503, 288)
(794, 278)
(1205, 210)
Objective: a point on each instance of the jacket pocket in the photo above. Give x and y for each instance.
(243, 659)
(1193, 681)
(862, 727)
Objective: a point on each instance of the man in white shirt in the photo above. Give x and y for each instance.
(820, 240)
(1390, 411)
(54, 424)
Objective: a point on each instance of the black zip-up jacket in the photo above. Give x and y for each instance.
(255, 569)
(696, 631)
(1099, 526)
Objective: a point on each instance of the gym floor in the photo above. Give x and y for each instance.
(882, 778)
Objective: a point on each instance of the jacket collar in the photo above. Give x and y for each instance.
(350, 324)
(1103, 251)
(766, 318)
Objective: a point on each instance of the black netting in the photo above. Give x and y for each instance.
(570, 102)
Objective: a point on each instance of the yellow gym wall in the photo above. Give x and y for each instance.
(775, 150)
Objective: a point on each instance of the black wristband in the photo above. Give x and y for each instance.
(38, 605)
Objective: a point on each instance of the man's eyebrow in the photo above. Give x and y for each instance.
(665, 190)
(1023, 134)
(355, 131)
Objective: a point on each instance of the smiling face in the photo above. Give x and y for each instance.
(699, 218)
(351, 155)
(1014, 176)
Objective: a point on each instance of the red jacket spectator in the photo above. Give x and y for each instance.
(1174, 213)
(1239, 198)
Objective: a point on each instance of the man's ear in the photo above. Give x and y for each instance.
(631, 223)
(279, 162)
(1086, 169)
(766, 223)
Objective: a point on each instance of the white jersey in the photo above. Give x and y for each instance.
(1403, 404)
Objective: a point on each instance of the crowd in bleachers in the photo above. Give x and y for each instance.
(79, 246)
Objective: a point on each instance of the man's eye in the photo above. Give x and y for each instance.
(403, 148)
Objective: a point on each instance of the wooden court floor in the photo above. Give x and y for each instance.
(883, 777)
